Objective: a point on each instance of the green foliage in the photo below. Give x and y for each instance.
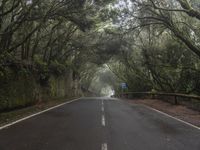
(57, 68)
(42, 71)
(165, 65)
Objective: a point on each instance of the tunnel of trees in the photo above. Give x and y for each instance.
(54, 48)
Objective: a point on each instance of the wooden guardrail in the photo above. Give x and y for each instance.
(174, 98)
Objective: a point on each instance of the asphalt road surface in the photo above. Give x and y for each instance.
(100, 124)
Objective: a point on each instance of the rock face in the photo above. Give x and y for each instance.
(19, 90)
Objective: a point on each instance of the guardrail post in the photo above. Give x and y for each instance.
(175, 100)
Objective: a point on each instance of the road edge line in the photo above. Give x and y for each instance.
(180, 120)
(38, 113)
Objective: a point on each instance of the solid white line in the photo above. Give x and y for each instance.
(12, 123)
(103, 122)
(173, 117)
(104, 146)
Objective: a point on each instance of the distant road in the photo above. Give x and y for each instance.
(100, 124)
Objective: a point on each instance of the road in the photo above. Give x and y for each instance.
(100, 124)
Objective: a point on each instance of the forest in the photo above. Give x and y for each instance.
(59, 48)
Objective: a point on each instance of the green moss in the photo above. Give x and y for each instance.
(53, 87)
(22, 86)
(17, 91)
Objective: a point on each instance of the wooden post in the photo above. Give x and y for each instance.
(175, 100)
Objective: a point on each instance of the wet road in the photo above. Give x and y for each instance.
(100, 124)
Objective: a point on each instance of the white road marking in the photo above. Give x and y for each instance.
(103, 122)
(102, 109)
(102, 106)
(173, 117)
(25, 118)
(102, 102)
(104, 146)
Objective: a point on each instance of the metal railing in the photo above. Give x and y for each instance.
(174, 98)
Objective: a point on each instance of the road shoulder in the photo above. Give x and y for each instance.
(180, 112)
(11, 117)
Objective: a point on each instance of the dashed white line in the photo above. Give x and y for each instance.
(103, 122)
(104, 146)
(102, 109)
(102, 103)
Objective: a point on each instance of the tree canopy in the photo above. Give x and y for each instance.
(149, 44)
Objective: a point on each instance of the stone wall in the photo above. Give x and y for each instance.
(19, 90)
